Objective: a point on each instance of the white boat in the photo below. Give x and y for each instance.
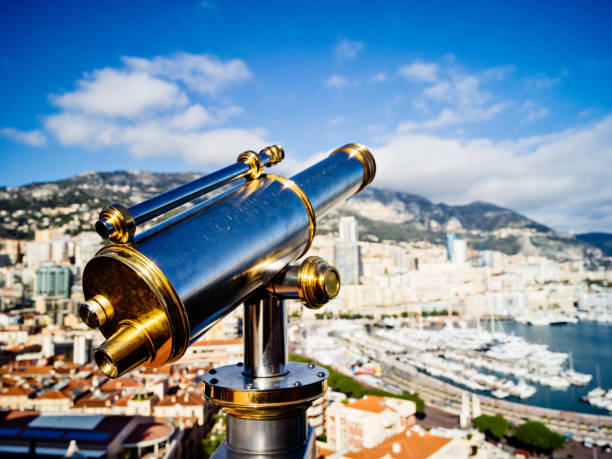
(524, 390)
(599, 402)
(578, 379)
(575, 378)
(557, 382)
(595, 393)
(499, 394)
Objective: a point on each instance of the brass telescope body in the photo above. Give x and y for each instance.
(154, 295)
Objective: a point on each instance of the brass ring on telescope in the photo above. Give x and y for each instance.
(161, 315)
(254, 162)
(300, 193)
(366, 158)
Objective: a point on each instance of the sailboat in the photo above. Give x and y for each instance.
(577, 379)
(598, 391)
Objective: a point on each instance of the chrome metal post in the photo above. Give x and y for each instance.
(265, 337)
(288, 437)
(266, 398)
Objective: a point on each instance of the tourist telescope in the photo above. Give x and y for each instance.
(154, 292)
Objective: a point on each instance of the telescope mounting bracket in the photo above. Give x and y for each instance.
(266, 397)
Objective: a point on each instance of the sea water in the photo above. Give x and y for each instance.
(590, 344)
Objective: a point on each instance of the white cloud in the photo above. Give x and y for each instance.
(456, 95)
(113, 92)
(542, 81)
(533, 111)
(179, 135)
(336, 121)
(194, 117)
(460, 100)
(546, 177)
(379, 77)
(442, 91)
(420, 71)
(498, 73)
(348, 49)
(35, 138)
(154, 107)
(337, 81)
(449, 117)
(199, 72)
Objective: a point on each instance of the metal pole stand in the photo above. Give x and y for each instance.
(266, 398)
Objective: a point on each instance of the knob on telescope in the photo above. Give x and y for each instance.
(314, 282)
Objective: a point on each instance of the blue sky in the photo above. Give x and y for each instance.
(506, 102)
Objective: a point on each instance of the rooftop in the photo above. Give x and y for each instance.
(149, 432)
(404, 445)
(370, 403)
(21, 425)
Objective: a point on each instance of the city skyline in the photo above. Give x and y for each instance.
(459, 103)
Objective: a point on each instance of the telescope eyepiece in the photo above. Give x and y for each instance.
(127, 348)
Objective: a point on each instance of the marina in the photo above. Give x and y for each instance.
(547, 366)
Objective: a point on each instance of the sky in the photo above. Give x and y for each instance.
(503, 102)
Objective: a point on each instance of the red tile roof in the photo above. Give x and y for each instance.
(370, 403)
(16, 391)
(120, 384)
(97, 399)
(53, 395)
(185, 399)
(148, 432)
(413, 446)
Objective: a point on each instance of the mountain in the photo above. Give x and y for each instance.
(423, 214)
(73, 205)
(385, 214)
(600, 240)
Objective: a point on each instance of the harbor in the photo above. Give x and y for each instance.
(561, 367)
